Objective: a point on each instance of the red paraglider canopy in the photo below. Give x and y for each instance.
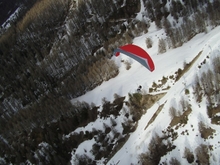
(136, 53)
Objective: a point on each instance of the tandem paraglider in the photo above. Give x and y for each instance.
(138, 54)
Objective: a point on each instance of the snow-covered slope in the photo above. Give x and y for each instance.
(207, 45)
(165, 65)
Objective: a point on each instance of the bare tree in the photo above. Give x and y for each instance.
(149, 42)
(202, 154)
(173, 112)
(174, 161)
(162, 46)
(167, 26)
(188, 155)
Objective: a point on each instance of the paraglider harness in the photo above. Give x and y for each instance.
(139, 88)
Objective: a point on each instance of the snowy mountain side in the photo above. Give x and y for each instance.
(180, 121)
(64, 98)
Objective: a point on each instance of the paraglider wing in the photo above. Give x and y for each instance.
(137, 54)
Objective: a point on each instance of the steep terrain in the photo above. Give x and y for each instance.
(64, 98)
(183, 121)
(179, 118)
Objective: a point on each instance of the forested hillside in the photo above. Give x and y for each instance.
(58, 50)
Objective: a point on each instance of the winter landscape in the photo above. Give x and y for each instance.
(62, 103)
